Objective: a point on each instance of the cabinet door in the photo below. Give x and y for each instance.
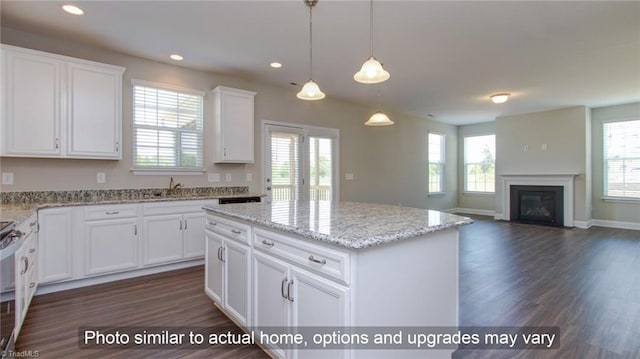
(194, 238)
(162, 239)
(237, 261)
(234, 118)
(110, 245)
(55, 242)
(269, 302)
(31, 102)
(214, 267)
(318, 302)
(94, 111)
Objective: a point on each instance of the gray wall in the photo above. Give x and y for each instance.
(389, 163)
(566, 133)
(473, 202)
(603, 210)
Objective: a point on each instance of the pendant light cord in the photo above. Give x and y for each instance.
(311, 42)
(371, 26)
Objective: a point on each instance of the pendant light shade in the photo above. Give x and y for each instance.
(371, 71)
(379, 119)
(310, 91)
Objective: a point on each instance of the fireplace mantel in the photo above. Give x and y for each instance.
(518, 179)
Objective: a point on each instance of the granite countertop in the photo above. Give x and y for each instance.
(18, 206)
(347, 224)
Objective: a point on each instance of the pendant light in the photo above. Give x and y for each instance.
(311, 91)
(371, 71)
(379, 118)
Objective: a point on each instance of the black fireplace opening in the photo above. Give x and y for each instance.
(537, 205)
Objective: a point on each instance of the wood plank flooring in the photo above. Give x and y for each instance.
(587, 282)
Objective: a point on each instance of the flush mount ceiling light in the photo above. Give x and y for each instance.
(275, 65)
(72, 9)
(371, 71)
(379, 118)
(500, 97)
(176, 57)
(310, 91)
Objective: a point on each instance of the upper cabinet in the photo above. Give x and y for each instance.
(59, 107)
(233, 125)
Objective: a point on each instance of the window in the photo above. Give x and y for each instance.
(167, 127)
(622, 159)
(479, 163)
(301, 162)
(436, 163)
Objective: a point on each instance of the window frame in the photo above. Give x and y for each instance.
(605, 173)
(166, 170)
(442, 162)
(464, 165)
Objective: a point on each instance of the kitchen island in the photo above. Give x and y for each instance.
(334, 266)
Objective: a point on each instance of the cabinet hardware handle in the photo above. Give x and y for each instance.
(33, 224)
(32, 285)
(235, 231)
(284, 295)
(117, 146)
(289, 291)
(180, 224)
(24, 260)
(212, 223)
(112, 212)
(267, 243)
(57, 143)
(219, 256)
(185, 224)
(323, 261)
(32, 250)
(222, 254)
(135, 229)
(225, 152)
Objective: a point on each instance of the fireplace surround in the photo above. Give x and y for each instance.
(537, 204)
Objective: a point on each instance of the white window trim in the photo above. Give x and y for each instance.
(464, 168)
(166, 171)
(605, 197)
(443, 150)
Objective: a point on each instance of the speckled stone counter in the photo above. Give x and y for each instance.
(18, 206)
(347, 224)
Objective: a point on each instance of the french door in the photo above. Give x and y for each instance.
(300, 163)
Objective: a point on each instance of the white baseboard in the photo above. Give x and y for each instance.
(480, 212)
(78, 283)
(615, 224)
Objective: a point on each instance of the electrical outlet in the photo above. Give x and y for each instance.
(348, 176)
(526, 148)
(7, 177)
(249, 177)
(213, 177)
(101, 177)
(227, 177)
(544, 146)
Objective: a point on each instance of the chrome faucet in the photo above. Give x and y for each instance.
(173, 187)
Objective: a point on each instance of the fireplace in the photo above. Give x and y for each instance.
(537, 204)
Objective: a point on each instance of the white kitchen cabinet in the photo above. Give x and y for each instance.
(26, 271)
(56, 239)
(59, 107)
(233, 119)
(110, 239)
(227, 272)
(31, 101)
(94, 93)
(194, 242)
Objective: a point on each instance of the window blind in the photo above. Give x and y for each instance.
(436, 163)
(621, 144)
(168, 128)
(285, 166)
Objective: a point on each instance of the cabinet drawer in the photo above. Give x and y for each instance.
(229, 229)
(326, 261)
(29, 226)
(172, 207)
(110, 211)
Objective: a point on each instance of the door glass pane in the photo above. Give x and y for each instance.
(285, 169)
(320, 168)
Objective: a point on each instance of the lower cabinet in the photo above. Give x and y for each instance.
(56, 244)
(173, 237)
(227, 280)
(110, 245)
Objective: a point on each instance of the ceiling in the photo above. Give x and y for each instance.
(445, 58)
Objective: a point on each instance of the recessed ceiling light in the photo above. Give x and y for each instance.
(276, 65)
(72, 9)
(176, 57)
(500, 97)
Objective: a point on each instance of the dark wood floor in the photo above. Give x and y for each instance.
(587, 282)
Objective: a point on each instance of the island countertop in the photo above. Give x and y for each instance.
(348, 224)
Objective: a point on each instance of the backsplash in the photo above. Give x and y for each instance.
(116, 194)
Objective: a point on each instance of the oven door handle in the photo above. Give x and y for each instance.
(24, 260)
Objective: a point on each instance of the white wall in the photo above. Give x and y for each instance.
(389, 163)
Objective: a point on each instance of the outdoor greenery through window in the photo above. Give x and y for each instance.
(622, 159)
(321, 168)
(168, 127)
(436, 163)
(480, 163)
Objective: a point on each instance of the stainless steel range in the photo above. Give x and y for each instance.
(9, 243)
